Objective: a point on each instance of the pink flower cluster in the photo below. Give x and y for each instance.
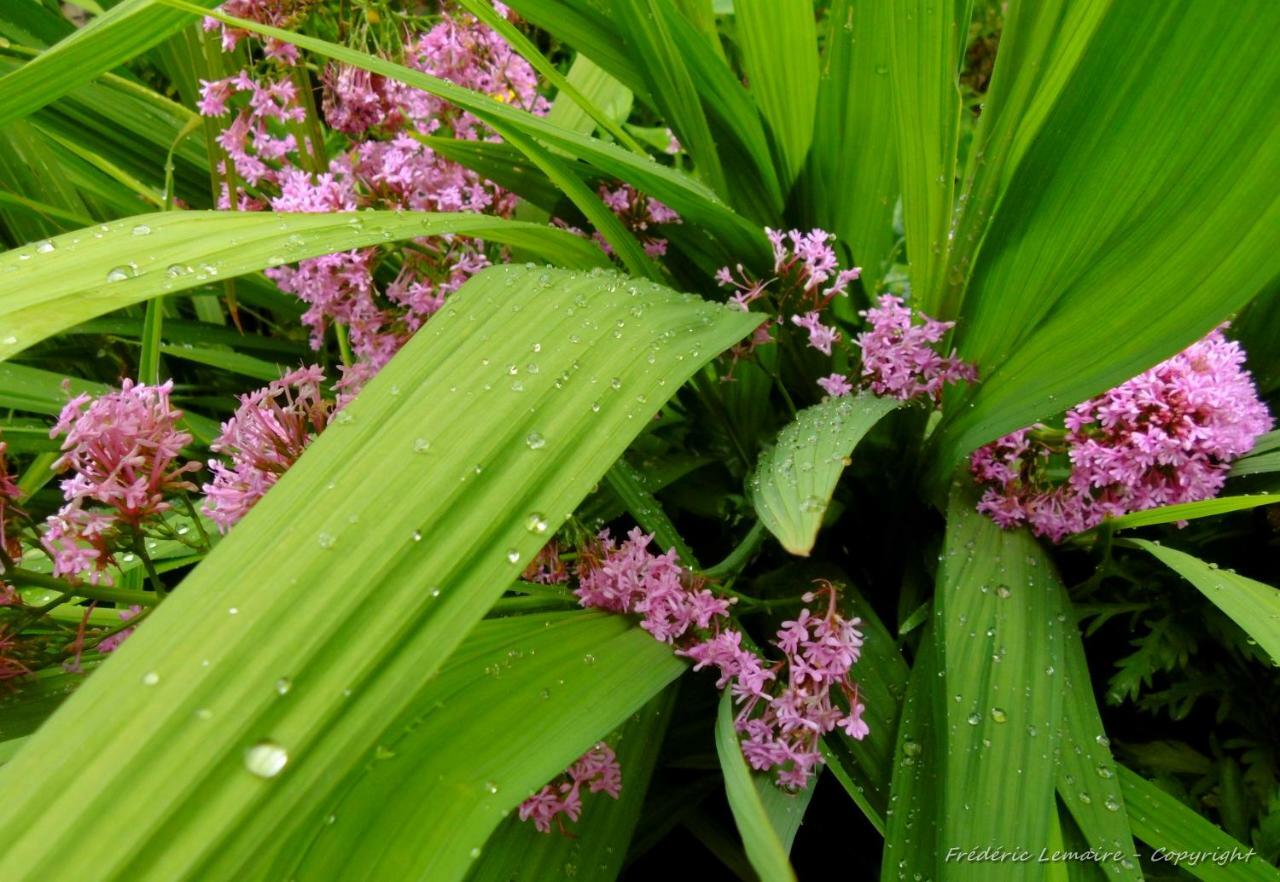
(787, 706)
(112, 643)
(597, 770)
(264, 437)
(899, 356)
(277, 13)
(124, 451)
(386, 165)
(1166, 436)
(640, 214)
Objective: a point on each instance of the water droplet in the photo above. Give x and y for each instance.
(44, 247)
(974, 718)
(10, 340)
(513, 555)
(142, 230)
(535, 441)
(910, 748)
(266, 759)
(475, 852)
(491, 786)
(1103, 740)
(120, 273)
(204, 714)
(326, 540)
(1104, 772)
(998, 715)
(615, 383)
(1112, 804)
(1003, 592)
(233, 610)
(812, 504)
(536, 522)
(150, 678)
(588, 659)
(417, 535)
(421, 445)
(283, 685)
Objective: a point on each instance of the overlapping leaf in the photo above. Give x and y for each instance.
(372, 558)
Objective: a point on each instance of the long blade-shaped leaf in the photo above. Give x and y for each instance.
(926, 40)
(997, 613)
(49, 286)
(767, 822)
(1161, 821)
(518, 853)
(354, 578)
(518, 702)
(851, 183)
(1252, 605)
(794, 480)
(129, 29)
(779, 40)
(1120, 240)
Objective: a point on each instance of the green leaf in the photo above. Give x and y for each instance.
(1000, 632)
(851, 183)
(767, 822)
(794, 480)
(1119, 240)
(594, 82)
(341, 598)
(1163, 822)
(524, 678)
(640, 503)
(81, 275)
(1040, 44)
(128, 30)
(926, 42)
(779, 43)
(1189, 511)
(913, 839)
(1264, 458)
(1086, 780)
(1252, 605)
(518, 853)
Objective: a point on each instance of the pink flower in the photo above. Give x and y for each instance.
(110, 644)
(124, 450)
(836, 385)
(639, 213)
(597, 770)
(264, 437)
(820, 336)
(1166, 436)
(899, 356)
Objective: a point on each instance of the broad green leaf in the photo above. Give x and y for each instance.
(598, 844)
(48, 287)
(926, 42)
(610, 95)
(766, 822)
(1086, 780)
(851, 183)
(1252, 605)
(129, 29)
(1000, 631)
(549, 685)
(913, 837)
(1189, 511)
(779, 42)
(1163, 822)
(692, 200)
(371, 559)
(794, 480)
(1040, 43)
(1119, 240)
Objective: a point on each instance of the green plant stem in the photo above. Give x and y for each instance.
(19, 576)
(195, 519)
(140, 548)
(736, 559)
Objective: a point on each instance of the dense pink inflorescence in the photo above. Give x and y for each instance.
(386, 166)
(786, 706)
(124, 453)
(263, 438)
(597, 770)
(899, 356)
(640, 214)
(1166, 436)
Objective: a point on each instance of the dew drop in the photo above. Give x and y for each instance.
(974, 718)
(283, 685)
(998, 715)
(266, 759)
(588, 659)
(513, 555)
(326, 540)
(150, 678)
(119, 273)
(536, 522)
(142, 230)
(417, 535)
(421, 445)
(535, 441)
(491, 786)
(44, 247)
